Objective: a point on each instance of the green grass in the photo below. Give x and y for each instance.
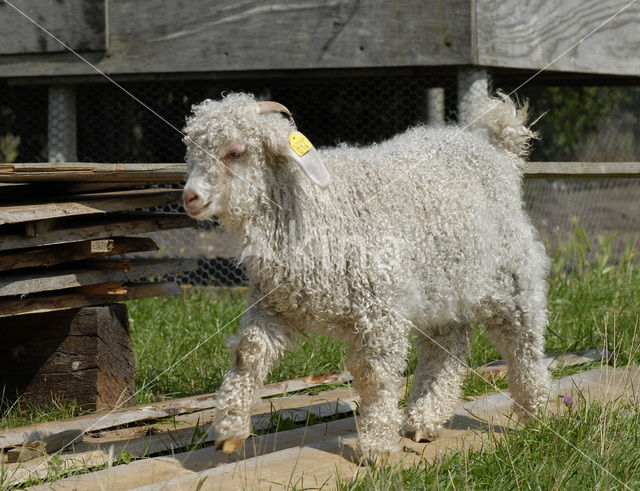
(598, 448)
(179, 350)
(179, 344)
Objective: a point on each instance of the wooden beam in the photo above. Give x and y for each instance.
(76, 251)
(338, 34)
(586, 170)
(60, 279)
(65, 230)
(86, 204)
(82, 297)
(81, 354)
(93, 172)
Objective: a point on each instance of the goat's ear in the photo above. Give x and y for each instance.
(301, 151)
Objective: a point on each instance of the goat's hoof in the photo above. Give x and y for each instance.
(230, 446)
(420, 436)
(380, 459)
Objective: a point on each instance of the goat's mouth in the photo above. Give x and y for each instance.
(200, 212)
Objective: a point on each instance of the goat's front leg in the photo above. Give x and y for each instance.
(257, 346)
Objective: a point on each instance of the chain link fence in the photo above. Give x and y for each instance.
(112, 127)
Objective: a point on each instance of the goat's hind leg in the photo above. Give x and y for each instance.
(437, 381)
(256, 347)
(376, 361)
(517, 331)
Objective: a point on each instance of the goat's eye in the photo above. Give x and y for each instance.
(235, 154)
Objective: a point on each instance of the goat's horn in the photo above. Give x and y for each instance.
(265, 107)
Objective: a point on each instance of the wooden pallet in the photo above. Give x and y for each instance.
(176, 427)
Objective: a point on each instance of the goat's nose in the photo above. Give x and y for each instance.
(190, 198)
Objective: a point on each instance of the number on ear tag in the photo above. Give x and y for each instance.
(299, 143)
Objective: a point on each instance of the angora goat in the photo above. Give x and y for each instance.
(424, 232)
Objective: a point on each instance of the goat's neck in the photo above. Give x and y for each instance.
(272, 236)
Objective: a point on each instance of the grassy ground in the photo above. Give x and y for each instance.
(179, 349)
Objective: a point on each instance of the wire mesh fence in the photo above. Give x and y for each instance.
(588, 124)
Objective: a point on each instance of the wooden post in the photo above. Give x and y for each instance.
(473, 86)
(83, 354)
(435, 105)
(61, 134)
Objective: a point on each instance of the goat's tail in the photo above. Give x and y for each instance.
(505, 121)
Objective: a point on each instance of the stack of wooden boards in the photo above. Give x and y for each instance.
(63, 229)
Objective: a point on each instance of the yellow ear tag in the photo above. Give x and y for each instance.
(299, 144)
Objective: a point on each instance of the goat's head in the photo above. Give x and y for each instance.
(235, 148)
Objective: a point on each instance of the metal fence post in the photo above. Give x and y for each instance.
(61, 129)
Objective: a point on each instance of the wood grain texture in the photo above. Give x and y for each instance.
(532, 34)
(63, 278)
(83, 354)
(79, 297)
(196, 36)
(76, 251)
(73, 229)
(83, 172)
(87, 204)
(80, 24)
(559, 170)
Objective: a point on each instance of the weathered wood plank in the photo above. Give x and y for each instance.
(53, 302)
(60, 279)
(316, 464)
(76, 251)
(83, 354)
(82, 172)
(87, 204)
(101, 421)
(73, 229)
(205, 402)
(532, 34)
(80, 24)
(197, 36)
(176, 172)
(148, 471)
(587, 170)
(159, 443)
(599, 384)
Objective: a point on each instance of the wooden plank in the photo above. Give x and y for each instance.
(80, 24)
(532, 34)
(57, 254)
(74, 229)
(338, 34)
(80, 297)
(148, 471)
(82, 172)
(60, 279)
(149, 445)
(498, 368)
(100, 421)
(86, 204)
(315, 464)
(587, 170)
(600, 384)
(197, 404)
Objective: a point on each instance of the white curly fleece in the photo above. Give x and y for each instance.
(424, 231)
